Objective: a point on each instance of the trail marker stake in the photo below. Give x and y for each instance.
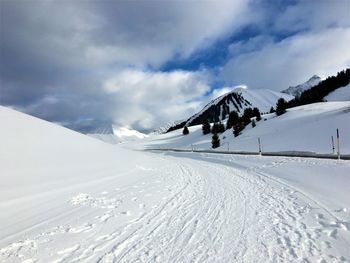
(333, 148)
(259, 145)
(338, 144)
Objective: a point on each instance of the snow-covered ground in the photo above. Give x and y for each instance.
(304, 128)
(66, 197)
(341, 94)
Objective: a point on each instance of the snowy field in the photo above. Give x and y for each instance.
(66, 197)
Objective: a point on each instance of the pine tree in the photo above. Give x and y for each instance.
(272, 110)
(185, 131)
(221, 127)
(281, 106)
(215, 142)
(206, 127)
(247, 115)
(232, 119)
(257, 114)
(216, 128)
(238, 128)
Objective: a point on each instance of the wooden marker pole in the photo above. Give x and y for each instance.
(338, 144)
(259, 145)
(333, 148)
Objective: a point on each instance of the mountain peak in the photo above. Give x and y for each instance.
(297, 90)
(233, 99)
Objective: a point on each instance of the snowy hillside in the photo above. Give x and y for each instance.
(236, 100)
(341, 94)
(297, 90)
(66, 197)
(304, 128)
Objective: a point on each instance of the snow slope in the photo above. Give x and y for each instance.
(341, 94)
(304, 128)
(263, 99)
(66, 197)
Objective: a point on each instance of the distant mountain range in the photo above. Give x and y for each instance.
(114, 135)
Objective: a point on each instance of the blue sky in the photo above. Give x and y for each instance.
(142, 64)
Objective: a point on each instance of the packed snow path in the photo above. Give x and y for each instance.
(188, 210)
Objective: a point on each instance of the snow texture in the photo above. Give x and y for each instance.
(66, 197)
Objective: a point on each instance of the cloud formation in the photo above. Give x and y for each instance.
(90, 63)
(57, 57)
(155, 97)
(291, 61)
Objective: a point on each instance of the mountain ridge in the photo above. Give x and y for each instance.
(297, 90)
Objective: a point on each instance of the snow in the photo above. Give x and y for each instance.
(66, 197)
(125, 132)
(117, 135)
(305, 128)
(341, 94)
(263, 99)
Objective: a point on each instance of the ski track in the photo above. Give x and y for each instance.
(210, 213)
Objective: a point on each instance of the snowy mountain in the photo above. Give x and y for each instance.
(235, 100)
(297, 90)
(304, 128)
(113, 135)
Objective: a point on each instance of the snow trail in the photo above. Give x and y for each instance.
(200, 211)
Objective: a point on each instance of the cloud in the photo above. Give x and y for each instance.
(313, 16)
(57, 56)
(91, 63)
(292, 60)
(147, 99)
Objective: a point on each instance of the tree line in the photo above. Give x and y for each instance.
(318, 92)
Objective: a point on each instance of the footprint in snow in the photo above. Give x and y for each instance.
(341, 210)
(126, 213)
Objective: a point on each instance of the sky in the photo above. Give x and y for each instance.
(144, 64)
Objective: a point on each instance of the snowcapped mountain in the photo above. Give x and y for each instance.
(304, 128)
(237, 99)
(114, 135)
(297, 90)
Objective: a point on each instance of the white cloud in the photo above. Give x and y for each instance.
(314, 16)
(146, 99)
(292, 61)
